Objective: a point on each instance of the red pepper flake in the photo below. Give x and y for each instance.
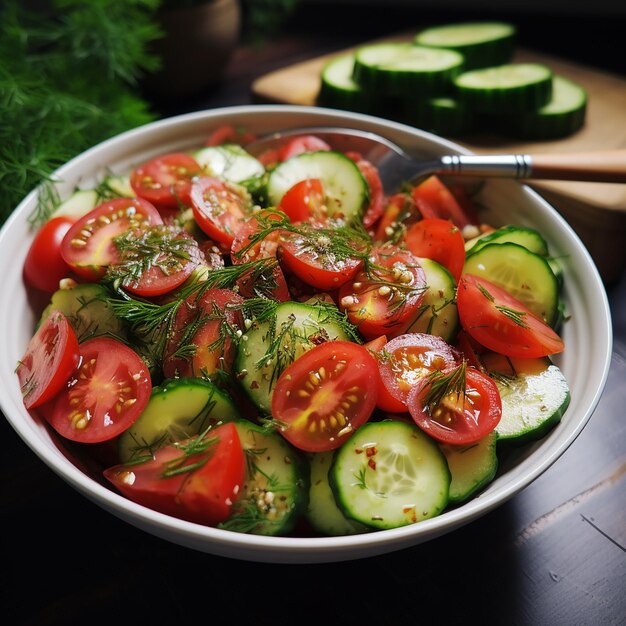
(371, 451)
(372, 464)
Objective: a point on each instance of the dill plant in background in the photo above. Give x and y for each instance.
(69, 76)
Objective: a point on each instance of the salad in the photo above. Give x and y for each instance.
(272, 344)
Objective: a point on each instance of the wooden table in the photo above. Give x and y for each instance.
(554, 554)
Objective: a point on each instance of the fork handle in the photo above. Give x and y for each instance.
(607, 166)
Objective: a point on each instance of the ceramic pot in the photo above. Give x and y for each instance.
(198, 43)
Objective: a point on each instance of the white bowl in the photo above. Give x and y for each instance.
(585, 362)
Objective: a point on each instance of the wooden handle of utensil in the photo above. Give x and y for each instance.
(608, 166)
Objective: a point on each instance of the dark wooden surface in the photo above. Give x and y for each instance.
(554, 554)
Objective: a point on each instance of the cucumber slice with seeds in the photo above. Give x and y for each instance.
(523, 274)
(513, 87)
(528, 237)
(178, 409)
(346, 189)
(338, 88)
(229, 161)
(483, 44)
(390, 474)
(406, 69)
(275, 491)
(534, 393)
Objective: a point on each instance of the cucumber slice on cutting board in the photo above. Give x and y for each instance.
(339, 89)
(514, 87)
(406, 69)
(482, 44)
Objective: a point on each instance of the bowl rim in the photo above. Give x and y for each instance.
(301, 549)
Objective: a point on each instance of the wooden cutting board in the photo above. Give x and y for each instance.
(596, 210)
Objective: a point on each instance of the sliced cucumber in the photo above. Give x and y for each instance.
(390, 474)
(562, 115)
(347, 191)
(119, 186)
(78, 204)
(87, 310)
(512, 87)
(444, 115)
(338, 89)
(472, 467)
(404, 69)
(271, 345)
(438, 313)
(322, 511)
(178, 409)
(530, 238)
(276, 487)
(534, 393)
(523, 274)
(482, 44)
(229, 161)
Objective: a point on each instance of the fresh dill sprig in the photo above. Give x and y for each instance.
(443, 385)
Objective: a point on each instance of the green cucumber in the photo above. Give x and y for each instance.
(322, 511)
(269, 346)
(443, 115)
(346, 190)
(275, 491)
(534, 393)
(561, 116)
(86, 308)
(178, 409)
(525, 236)
(438, 313)
(523, 274)
(512, 87)
(338, 89)
(78, 204)
(230, 162)
(390, 474)
(119, 186)
(404, 69)
(482, 44)
(472, 466)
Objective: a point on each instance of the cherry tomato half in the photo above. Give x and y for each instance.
(325, 395)
(434, 199)
(305, 201)
(165, 181)
(385, 401)
(219, 208)
(457, 406)
(500, 322)
(439, 240)
(405, 360)
(44, 266)
(300, 144)
(385, 294)
(197, 480)
(106, 394)
(89, 247)
(49, 361)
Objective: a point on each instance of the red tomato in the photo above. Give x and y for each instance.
(165, 181)
(44, 266)
(242, 248)
(305, 201)
(311, 258)
(397, 208)
(434, 199)
(197, 480)
(500, 322)
(50, 359)
(155, 260)
(88, 246)
(376, 206)
(386, 293)
(439, 240)
(385, 401)
(227, 133)
(407, 359)
(471, 350)
(325, 395)
(104, 396)
(219, 208)
(464, 409)
(301, 143)
(201, 342)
